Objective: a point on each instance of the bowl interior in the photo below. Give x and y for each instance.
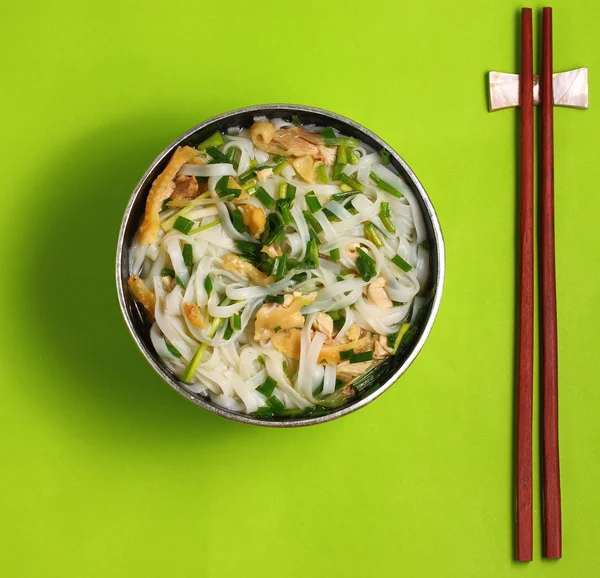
(136, 320)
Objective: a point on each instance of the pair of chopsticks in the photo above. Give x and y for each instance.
(551, 478)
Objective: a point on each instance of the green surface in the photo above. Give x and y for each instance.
(107, 472)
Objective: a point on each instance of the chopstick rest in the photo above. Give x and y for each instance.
(569, 89)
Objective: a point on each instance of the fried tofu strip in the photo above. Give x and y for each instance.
(162, 189)
(142, 294)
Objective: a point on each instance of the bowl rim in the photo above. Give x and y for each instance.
(198, 399)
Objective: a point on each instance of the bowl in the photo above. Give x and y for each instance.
(139, 327)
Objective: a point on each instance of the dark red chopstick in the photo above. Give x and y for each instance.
(525, 358)
(551, 470)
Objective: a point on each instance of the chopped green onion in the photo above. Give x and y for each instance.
(253, 163)
(400, 262)
(179, 282)
(312, 254)
(184, 225)
(328, 132)
(275, 404)
(264, 197)
(339, 323)
(250, 251)
(322, 174)
(217, 155)
(371, 234)
(264, 412)
(385, 186)
(338, 384)
(283, 206)
(245, 177)
(188, 255)
(384, 215)
(167, 273)
(231, 157)
(352, 210)
(397, 337)
(164, 205)
(274, 230)
(281, 190)
(296, 120)
(345, 195)
(331, 217)
(260, 359)
(337, 171)
(346, 354)
(366, 265)
(236, 321)
(268, 387)
(345, 188)
(312, 221)
(299, 277)
(208, 285)
(223, 189)
(337, 314)
(385, 157)
(342, 158)
(364, 356)
(204, 227)
(237, 220)
(352, 156)
(278, 159)
(228, 332)
(201, 180)
(312, 202)
(173, 350)
(335, 255)
(274, 299)
(352, 182)
(279, 268)
(212, 141)
(279, 168)
(341, 141)
(291, 192)
(277, 329)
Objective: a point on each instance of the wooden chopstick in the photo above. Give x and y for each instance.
(551, 472)
(524, 394)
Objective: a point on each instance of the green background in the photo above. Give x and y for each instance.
(106, 471)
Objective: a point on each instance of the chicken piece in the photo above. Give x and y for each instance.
(347, 371)
(194, 314)
(327, 154)
(351, 250)
(288, 342)
(305, 167)
(331, 353)
(161, 189)
(232, 262)
(254, 218)
(186, 188)
(142, 294)
(292, 141)
(354, 332)
(380, 348)
(377, 294)
(264, 174)
(324, 324)
(168, 283)
(286, 316)
(272, 251)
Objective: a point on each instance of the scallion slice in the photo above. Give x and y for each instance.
(384, 215)
(296, 120)
(172, 350)
(385, 157)
(352, 156)
(208, 285)
(360, 357)
(275, 404)
(312, 202)
(188, 255)
(291, 192)
(236, 321)
(335, 255)
(179, 282)
(279, 168)
(214, 140)
(204, 227)
(385, 186)
(341, 141)
(312, 221)
(237, 220)
(167, 273)
(371, 234)
(268, 387)
(400, 262)
(322, 174)
(274, 299)
(184, 225)
(352, 182)
(328, 132)
(346, 354)
(264, 197)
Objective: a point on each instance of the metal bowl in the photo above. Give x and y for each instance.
(138, 325)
